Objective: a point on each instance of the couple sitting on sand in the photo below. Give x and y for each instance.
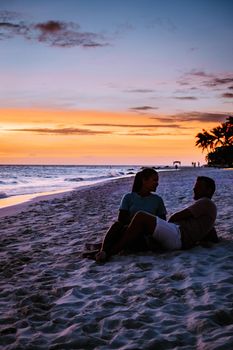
(142, 221)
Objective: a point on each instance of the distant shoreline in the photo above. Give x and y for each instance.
(15, 201)
(15, 204)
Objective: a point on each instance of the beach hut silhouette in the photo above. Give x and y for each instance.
(176, 163)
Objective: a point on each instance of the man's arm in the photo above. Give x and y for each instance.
(180, 215)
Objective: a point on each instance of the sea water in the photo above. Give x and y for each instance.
(18, 180)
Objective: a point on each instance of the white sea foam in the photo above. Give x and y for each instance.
(28, 179)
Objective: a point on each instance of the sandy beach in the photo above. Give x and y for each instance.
(52, 298)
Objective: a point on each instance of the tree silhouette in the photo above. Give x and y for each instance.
(218, 143)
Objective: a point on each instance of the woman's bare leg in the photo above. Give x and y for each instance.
(112, 237)
(142, 223)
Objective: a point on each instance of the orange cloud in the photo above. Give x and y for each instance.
(95, 137)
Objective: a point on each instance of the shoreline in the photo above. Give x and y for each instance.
(15, 204)
(18, 199)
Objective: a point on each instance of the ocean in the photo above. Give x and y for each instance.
(18, 180)
(20, 183)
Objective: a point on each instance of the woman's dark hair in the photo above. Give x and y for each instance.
(144, 174)
(210, 184)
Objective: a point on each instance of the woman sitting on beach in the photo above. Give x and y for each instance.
(140, 199)
(185, 229)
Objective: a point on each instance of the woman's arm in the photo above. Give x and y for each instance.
(162, 216)
(124, 216)
(162, 211)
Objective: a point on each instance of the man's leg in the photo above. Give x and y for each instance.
(142, 223)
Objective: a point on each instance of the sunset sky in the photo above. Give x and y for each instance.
(112, 81)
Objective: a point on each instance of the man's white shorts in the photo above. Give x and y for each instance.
(168, 234)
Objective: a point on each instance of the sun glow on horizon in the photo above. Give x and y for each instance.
(32, 136)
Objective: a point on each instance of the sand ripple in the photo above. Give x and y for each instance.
(51, 298)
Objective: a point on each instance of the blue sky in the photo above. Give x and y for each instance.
(169, 61)
(148, 50)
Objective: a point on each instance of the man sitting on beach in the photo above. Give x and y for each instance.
(185, 229)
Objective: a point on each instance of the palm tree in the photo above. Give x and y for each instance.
(205, 140)
(228, 131)
(218, 133)
(221, 135)
(218, 143)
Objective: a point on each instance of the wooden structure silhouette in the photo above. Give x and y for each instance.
(176, 163)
